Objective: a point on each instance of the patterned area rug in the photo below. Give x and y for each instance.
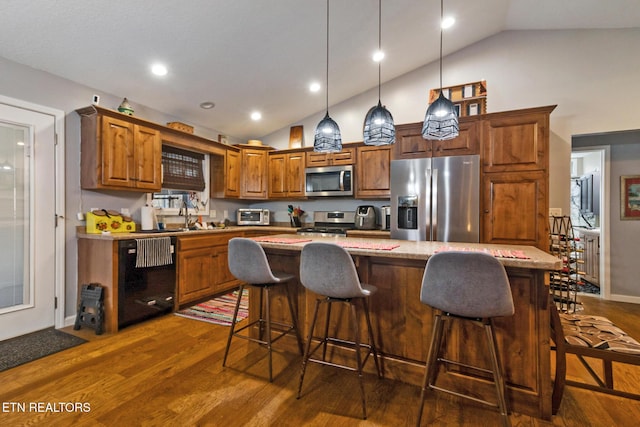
(219, 310)
(19, 350)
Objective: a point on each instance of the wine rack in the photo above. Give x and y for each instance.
(564, 283)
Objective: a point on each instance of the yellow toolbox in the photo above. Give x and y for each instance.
(108, 220)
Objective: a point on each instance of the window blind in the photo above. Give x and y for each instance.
(182, 169)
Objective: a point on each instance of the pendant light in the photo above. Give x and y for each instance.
(378, 123)
(327, 136)
(441, 120)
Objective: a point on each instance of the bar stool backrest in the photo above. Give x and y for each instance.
(468, 284)
(328, 269)
(248, 262)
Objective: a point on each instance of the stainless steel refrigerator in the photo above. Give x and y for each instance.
(436, 199)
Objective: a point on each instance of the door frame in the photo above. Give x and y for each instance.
(59, 189)
(605, 204)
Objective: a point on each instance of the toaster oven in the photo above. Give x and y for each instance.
(253, 217)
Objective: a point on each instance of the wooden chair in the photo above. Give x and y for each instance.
(572, 334)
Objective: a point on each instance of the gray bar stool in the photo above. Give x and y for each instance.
(467, 286)
(248, 263)
(328, 270)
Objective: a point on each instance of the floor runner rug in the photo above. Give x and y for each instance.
(219, 310)
(26, 348)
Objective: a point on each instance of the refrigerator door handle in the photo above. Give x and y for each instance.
(434, 204)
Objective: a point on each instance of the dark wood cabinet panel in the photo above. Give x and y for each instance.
(411, 145)
(515, 207)
(516, 140)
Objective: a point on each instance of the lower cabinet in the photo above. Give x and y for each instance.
(590, 243)
(202, 268)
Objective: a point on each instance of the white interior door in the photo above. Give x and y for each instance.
(29, 269)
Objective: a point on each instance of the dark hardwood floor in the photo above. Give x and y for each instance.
(168, 372)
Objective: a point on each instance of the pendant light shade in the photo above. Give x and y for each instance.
(327, 136)
(441, 120)
(378, 126)
(378, 123)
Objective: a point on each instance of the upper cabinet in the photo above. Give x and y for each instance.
(345, 157)
(411, 145)
(516, 140)
(286, 174)
(118, 153)
(254, 173)
(373, 172)
(225, 174)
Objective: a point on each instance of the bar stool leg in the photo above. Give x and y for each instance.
(356, 333)
(497, 372)
(365, 302)
(294, 319)
(233, 324)
(326, 330)
(305, 358)
(268, 327)
(432, 362)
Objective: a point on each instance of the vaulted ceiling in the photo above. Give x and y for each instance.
(261, 55)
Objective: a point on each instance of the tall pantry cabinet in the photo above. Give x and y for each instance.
(515, 177)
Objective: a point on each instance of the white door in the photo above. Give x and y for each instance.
(29, 264)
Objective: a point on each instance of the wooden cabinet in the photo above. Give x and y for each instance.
(373, 172)
(286, 175)
(119, 153)
(469, 99)
(411, 145)
(515, 177)
(202, 268)
(225, 174)
(254, 173)
(345, 157)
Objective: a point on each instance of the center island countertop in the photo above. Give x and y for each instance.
(510, 255)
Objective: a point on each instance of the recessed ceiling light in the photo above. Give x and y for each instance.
(448, 22)
(207, 105)
(256, 115)
(314, 87)
(159, 70)
(378, 56)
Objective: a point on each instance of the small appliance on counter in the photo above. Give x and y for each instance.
(253, 217)
(102, 220)
(386, 217)
(365, 217)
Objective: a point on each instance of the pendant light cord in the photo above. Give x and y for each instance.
(441, 18)
(379, 43)
(327, 75)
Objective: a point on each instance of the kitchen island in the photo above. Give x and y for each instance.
(402, 324)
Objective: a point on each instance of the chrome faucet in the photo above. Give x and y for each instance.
(186, 214)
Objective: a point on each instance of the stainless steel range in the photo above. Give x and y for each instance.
(330, 223)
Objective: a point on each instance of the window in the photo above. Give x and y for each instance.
(184, 181)
(182, 169)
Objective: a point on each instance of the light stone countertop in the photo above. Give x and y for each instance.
(538, 259)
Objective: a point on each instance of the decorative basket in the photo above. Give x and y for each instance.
(180, 126)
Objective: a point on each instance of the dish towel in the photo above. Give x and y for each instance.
(153, 252)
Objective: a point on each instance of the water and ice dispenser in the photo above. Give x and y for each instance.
(408, 212)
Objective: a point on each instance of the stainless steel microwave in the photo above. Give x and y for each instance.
(253, 217)
(329, 181)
